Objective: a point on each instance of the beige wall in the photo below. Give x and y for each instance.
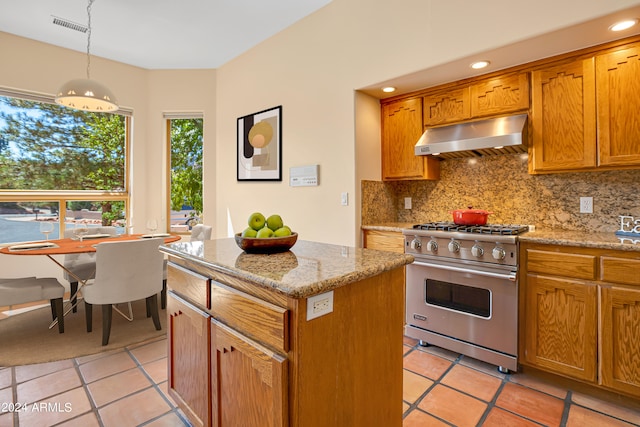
(313, 68)
(39, 67)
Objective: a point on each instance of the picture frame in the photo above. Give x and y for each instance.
(259, 146)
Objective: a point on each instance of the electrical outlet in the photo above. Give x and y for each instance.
(407, 202)
(319, 305)
(344, 199)
(586, 204)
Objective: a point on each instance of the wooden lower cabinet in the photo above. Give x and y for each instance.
(250, 382)
(383, 240)
(188, 358)
(620, 339)
(580, 314)
(561, 326)
(254, 359)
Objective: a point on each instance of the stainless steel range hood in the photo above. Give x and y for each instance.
(500, 135)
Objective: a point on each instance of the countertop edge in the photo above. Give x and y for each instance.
(315, 288)
(586, 239)
(596, 240)
(388, 226)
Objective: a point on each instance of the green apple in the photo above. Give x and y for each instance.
(249, 232)
(282, 232)
(274, 222)
(256, 221)
(264, 233)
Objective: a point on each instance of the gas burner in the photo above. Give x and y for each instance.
(480, 229)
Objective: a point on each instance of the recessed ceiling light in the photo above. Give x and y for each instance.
(389, 89)
(623, 25)
(480, 64)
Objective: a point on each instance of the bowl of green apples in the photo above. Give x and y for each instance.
(266, 235)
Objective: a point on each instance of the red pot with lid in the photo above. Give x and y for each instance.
(470, 216)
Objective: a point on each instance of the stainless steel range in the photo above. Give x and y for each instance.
(462, 289)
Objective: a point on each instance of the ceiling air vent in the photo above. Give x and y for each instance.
(69, 24)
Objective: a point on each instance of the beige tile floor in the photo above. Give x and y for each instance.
(128, 387)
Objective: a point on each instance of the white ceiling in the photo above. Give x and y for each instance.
(157, 34)
(568, 39)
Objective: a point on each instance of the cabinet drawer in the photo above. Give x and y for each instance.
(620, 270)
(384, 240)
(561, 264)
(193, 286)
(260, 320)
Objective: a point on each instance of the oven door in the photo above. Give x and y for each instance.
(469, 303)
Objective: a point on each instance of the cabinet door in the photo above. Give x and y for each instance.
(447, 107)
(188, 359)
(620, 339)
(401, 129)
(564, 117)
(250, 381)
(618, 82)
(561, 325)
(500, 95)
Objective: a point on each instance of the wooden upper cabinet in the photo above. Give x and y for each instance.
(500, 95)
(401, 129)
(618, 83)
(449, 106)
(564, 117)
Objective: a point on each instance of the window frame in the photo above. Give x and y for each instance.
(168, 117)
(64, 196)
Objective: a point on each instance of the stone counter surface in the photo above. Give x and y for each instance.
(309, 268)
(586, 239)
(583, 239)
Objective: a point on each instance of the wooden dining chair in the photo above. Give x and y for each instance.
(125, 271)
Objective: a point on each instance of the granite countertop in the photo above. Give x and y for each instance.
(585, 239)
(309, 268)
(389, 226)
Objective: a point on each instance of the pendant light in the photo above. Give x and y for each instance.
(87, 94)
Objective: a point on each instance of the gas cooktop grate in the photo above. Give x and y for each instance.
(480, 229)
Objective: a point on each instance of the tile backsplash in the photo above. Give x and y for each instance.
(501, 185)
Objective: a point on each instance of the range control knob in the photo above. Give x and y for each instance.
(477, 251)
(416, 244)
(498, 253)
(454, 246)
(432, 246)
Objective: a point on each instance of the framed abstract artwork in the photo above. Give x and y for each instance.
(260, 146)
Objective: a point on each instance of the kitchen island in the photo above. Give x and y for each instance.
(308, 337)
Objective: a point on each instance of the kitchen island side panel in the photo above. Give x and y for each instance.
(346, 366)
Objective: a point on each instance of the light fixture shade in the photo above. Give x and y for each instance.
(87, 95)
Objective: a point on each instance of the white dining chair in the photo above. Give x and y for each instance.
(199, 233)
(83, 265)
(125, 271)
(31, 289)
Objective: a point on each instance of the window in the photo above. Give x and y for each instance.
(59, 165)
(184, 133)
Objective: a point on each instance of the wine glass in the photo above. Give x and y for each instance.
(81, 230)
(152, 225)
(46, 227)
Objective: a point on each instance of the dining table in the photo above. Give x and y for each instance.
(75, 245)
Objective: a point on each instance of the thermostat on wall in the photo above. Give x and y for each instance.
(303, 176)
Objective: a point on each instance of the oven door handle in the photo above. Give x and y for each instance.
(511, 276)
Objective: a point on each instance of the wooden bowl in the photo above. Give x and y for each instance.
(269, 245)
